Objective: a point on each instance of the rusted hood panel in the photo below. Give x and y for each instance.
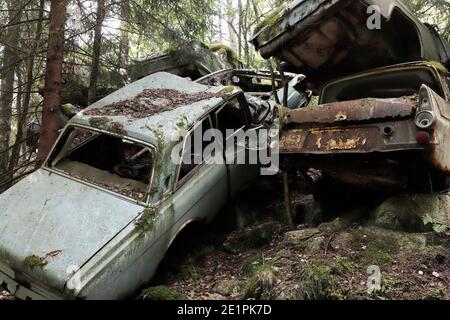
(356, 110)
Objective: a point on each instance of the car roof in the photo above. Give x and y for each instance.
(163, 126)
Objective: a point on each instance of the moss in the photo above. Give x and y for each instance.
(147, 221)
(232, 56)
(343, 265)
(254, 263)
(261, 285)
(35, 261)
(271, 19)
(226, 91)
(435, 294)
(373, 254)
(315, 282)
(160, 293)
(438, 66)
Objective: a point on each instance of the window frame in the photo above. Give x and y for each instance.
(178, 183)
(48, 166)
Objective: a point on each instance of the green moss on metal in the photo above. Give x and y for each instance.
(438, 66)
(35, 261)
(273, 18)
(147, 221)
(222, 49)
(226, 91)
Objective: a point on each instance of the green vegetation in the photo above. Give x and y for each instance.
(160, 293)
(35, 261)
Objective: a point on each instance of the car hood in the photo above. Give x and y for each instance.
(51, 225)
(327, 39)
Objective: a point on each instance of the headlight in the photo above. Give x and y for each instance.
(425, 119)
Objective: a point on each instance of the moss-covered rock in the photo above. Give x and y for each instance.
(251, 238)
(334, 226)
(160, 293)
(414, 213)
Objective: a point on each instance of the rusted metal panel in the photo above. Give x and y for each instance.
(374, 137)
(327, 38)
(356, 110)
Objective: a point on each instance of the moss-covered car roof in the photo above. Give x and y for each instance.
(159, 106)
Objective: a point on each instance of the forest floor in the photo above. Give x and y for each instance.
(334, 259)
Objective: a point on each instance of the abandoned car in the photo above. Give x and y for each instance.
(114, 199)
(262, 84)
(383, 119)
(192, 60)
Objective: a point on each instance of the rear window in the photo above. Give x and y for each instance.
(391, 84)
(118, 165)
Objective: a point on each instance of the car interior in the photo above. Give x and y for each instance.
(116, 164)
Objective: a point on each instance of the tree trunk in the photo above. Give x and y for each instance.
(52, 89)
(240, 23)
(124, 47)
(23, 115)
(95, 66)
(230, 19)
(10, 60)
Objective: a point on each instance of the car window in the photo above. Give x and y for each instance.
(192, 154)
(230, 116)
(118, 165)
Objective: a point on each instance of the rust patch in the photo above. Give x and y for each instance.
(334, 142)
(355, 110)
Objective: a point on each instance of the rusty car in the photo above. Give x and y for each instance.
(114, 199)
(262, 84)
(383, 116)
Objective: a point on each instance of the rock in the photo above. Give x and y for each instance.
(307, 240)
(298, 236)
(333, 226)
(227, 288)
(160, 293)
(310, 211)
(251, 238)
(414, 213)
(343, 240)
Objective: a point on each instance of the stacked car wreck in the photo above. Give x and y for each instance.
(383, 114)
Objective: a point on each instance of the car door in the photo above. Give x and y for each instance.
(200, 188)
(233, 120)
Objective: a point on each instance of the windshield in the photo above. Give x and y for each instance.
(118, 165)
